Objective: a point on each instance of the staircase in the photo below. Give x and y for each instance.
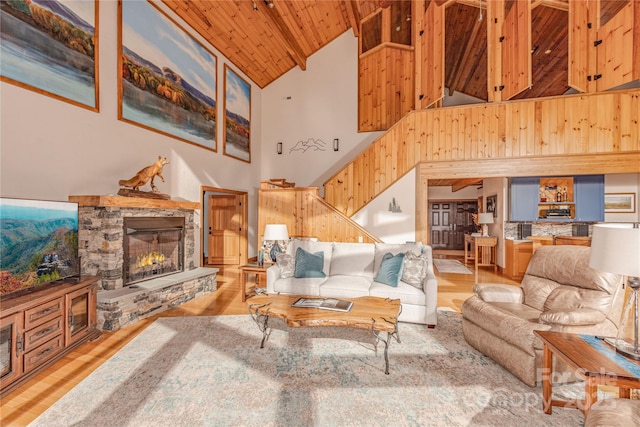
(571, 134)
(580, 133)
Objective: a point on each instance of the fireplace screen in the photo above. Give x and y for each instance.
(153, 247)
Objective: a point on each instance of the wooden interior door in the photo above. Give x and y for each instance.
(441, 224)
(225, 222)
(450, 220)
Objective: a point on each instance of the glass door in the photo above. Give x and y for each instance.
(78, 322)
(11, 346)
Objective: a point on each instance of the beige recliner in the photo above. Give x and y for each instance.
(559, 292)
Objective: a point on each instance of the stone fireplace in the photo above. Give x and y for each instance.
(153, 247)
(143, 252)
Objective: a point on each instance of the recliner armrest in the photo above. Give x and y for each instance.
(499, 292)
(572, 317)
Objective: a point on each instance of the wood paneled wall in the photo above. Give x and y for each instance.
(307, 215)
(511, 131)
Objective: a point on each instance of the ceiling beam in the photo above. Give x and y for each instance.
(353, 14)
(281, 30)
(556, 4)
(460, 184)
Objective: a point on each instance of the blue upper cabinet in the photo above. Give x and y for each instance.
(589, 194)
(524, 198)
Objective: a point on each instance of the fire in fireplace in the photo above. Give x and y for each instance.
(153, 247)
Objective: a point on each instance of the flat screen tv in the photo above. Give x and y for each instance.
(38, 244)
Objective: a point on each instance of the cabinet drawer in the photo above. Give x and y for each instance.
(44, 353)
(43, 333)
(43, 313)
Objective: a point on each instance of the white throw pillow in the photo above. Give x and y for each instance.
(287, 264)
(415, 269)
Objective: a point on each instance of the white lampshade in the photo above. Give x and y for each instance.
(485, 218)
(615, 248)
(275, 232)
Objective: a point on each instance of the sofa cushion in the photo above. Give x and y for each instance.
(394, 248)
(309, 286)
(390, 271)
(353, 259)
(308, 264)
(287, 264)
(406, 293)
(415, 269)
(345, 286)
(313, 247)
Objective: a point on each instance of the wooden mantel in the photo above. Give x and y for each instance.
(133, 202)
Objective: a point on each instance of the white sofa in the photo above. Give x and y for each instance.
(350, 269)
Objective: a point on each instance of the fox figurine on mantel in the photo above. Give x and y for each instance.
(141, 178)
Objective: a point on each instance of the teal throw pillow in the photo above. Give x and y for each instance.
(390, 271)
(308, 264)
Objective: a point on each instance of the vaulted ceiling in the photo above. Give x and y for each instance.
(267, 38)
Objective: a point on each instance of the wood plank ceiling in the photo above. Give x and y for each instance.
(267, 38)
(265, 42)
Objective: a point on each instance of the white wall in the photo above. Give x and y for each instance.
(623, 183)
(320, 103)
(51, 149)
(392, 227)
(498, 187)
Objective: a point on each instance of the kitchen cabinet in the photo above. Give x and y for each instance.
(524, 198)
(590, 198)
(517, 256)
(557, 199)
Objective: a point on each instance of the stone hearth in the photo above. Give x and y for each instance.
(100, 246)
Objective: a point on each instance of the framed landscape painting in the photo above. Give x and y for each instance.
(167, 81)
(51, 47)
(620, 202)
(237, 116)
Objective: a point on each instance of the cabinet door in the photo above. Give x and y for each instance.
(11, 346)
(589, 193)
(524, 198)
(81, 308)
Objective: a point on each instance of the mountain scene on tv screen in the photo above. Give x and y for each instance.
(34, 250)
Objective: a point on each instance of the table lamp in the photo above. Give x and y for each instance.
(484, 219)
(615, 248)
(275, 232)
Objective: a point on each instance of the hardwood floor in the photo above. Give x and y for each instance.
(26, 402)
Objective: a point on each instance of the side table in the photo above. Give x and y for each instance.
(593, 359)
(483, 251)
(259, 271)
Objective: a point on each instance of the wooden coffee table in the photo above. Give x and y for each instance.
(593, 359)
(380, 315)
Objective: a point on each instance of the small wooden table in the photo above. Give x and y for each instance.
(593, 359)
(259, 271)
(377, 314)
(483, 251)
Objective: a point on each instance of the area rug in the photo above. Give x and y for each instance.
(210, 371)
(450, 266)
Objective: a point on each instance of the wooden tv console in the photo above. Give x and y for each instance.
(38, 328)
